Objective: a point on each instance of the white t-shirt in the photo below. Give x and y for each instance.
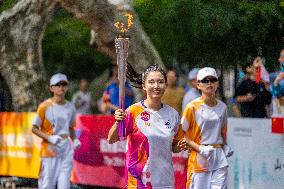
(60, 117)
(54, 119)
(277, 108)
(192, 94)
(82, 102)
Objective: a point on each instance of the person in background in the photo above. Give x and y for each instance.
(204, 122)
(54, 123)
(110, 98)
(278, 94)
(173, 94)
(235, 107)
(253, 97)
(273, 75)
(261, 72)
(193, 92)
(82, 99)
(153, 132)
(240, 73)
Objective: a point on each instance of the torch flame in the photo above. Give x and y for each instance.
(121, 27)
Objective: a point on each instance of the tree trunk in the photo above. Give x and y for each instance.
(21, 32)
(22, 29)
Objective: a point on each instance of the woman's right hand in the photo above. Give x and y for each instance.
(119, 115)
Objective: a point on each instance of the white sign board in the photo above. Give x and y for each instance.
(258, 160)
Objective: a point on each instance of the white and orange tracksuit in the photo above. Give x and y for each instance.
(56, 160)
(206, 125)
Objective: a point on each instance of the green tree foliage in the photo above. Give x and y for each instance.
(6, 4)
(192, 32)
(212, 32)
(66, 48)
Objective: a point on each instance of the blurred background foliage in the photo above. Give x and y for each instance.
(66, 48)
(186, 33)
(213, 32)
(6, 4)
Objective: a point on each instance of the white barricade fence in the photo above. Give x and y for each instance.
(258, 160)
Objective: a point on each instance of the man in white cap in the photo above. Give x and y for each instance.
(193, 92)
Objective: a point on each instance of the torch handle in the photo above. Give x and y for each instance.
(122, 106)
(122, 45)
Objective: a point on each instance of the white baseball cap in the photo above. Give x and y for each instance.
(56, 78)
(207, 71)
(193, 74)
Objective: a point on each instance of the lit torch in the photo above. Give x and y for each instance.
(122, 45)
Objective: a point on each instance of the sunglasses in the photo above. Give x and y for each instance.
(61, 84)
(211, 80)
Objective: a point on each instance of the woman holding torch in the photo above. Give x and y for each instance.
(152, 131)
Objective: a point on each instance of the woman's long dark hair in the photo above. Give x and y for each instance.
(139, 79)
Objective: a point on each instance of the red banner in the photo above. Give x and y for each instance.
(101, 164)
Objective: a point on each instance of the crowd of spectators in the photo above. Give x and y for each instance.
(258, 94)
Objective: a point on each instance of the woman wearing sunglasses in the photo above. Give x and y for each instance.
(204, 122)
(54, 123)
